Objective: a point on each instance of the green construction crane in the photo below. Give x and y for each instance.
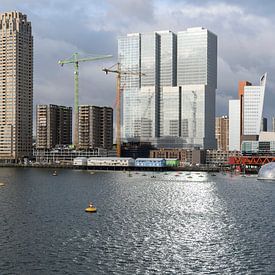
(75, 60)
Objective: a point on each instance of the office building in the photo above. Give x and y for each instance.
(253, 102)
(171, 108)
(53, 126)
(234, 125)
(197, 75)
(164, 60)
(95, 127)
(222, 133)
(16, 86)
(242, 84)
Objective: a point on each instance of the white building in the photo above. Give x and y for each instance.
(253, 107)
(234, 125)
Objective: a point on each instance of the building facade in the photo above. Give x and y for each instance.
(53, 126)
(164, 60)
(222, 133)
(234, 125)
(95, 127)
(253, 108)
(273, 124)
(16, 86)
(197, 75)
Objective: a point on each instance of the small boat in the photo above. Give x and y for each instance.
(54, 173)
(90, 208)
(189, 177)
(213, 175)
(92, 173)
(2, 184)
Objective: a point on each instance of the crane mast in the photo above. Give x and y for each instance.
(119, 72)
(76, 60)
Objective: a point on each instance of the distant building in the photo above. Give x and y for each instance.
(273, 124)
(234, 125)
(16, 86)
(136, 149)
(253, 109)
(53, 126)
(95, 127)
(222, 133)
(263, 127)
(242, 84)
(172, 70)
(246, 114)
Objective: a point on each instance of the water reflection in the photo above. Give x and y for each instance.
(173, 223)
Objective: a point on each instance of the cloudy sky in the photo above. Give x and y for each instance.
(245, 30)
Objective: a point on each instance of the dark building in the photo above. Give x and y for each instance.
(136, 149)
(95, 127)
(53, 126)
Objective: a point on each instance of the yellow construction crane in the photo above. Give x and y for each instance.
(76, 60)
(119, 72)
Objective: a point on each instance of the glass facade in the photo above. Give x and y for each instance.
(129, 58)
(197, 57)
(193, 114)
(174, 96)
(148, 112)
(171, 109)
(197, 76)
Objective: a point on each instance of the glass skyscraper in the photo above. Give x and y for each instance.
(174, 95)
(197, 75)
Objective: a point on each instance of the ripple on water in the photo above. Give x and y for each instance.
(164, 225)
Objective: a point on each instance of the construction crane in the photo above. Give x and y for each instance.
(76, 60)
(119, 72)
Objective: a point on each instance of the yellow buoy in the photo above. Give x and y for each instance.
(90, 209)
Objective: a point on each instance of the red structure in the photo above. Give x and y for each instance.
(251, 160)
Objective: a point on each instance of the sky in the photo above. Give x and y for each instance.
(245, 30)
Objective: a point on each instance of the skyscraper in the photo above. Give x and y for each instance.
(16, 86)
(187, 60)
(95, 127)
(53, 126)
(253, 109)
(197, 75)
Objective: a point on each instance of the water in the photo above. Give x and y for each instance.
(176, 223)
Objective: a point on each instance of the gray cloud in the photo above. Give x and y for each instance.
(245, 34)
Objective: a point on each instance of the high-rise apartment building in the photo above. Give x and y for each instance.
(234, 125)
(53, 126)
(16, 86)
(165, 60)
(222, 133)
(95, 127)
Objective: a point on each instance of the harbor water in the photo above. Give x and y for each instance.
(146, 223)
